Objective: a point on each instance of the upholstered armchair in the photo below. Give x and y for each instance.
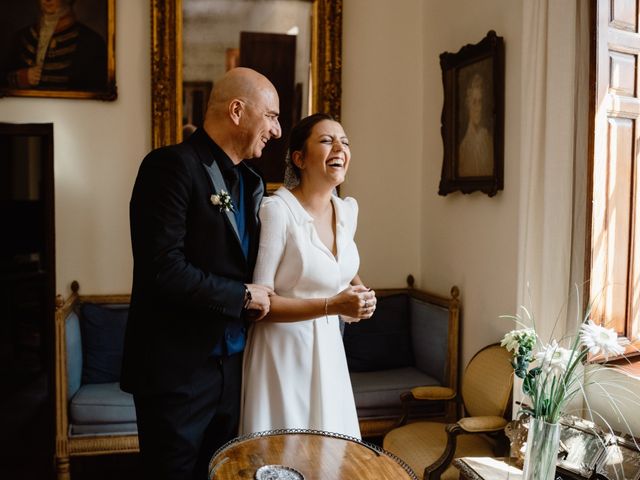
(485, 399)
(93, 416)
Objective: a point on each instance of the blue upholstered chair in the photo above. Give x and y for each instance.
(410, 341)
(93, 416)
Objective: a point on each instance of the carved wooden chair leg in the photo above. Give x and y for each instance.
(62, 468)
(433, 472)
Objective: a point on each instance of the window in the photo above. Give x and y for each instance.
(615, 197)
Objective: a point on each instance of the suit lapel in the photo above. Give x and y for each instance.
(258, 190)
(253, 183)
(218, 185)
(256, 186)
(197, 142)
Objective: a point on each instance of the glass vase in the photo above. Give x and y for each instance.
(542, 450)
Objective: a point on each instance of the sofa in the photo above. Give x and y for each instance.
(411, 340)
(93, 416)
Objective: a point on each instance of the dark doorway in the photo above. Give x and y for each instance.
(27, 300)
(274, 55)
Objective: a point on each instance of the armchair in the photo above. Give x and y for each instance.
(430, 447)
(93, 416)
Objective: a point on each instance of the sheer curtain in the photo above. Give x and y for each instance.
(554, 123)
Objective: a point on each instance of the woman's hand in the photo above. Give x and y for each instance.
(355, 301)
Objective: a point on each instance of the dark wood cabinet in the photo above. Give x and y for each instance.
(27, 299)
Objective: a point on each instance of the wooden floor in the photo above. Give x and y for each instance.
(108, 467)
(32, 462)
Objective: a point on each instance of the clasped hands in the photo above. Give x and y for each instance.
(354, 303)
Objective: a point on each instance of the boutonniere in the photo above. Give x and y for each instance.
(222, 200)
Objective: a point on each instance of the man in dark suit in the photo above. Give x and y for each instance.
(194, 231)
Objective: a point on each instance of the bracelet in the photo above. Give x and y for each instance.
(326, 307)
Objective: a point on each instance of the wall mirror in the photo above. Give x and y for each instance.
(194, 42)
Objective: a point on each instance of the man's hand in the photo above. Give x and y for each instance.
(259, 304)
(34, 74)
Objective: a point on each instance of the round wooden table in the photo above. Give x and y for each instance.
(314, 454)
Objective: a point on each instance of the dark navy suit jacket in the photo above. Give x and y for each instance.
(189, 268)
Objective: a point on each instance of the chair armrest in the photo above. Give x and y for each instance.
(486, 424)
(433, 393)
(423, 394)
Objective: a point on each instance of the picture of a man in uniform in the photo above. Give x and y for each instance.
(56, 52)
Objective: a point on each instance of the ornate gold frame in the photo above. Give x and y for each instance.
(109, 92)
(166, 65)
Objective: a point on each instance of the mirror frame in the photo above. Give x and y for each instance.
(166, 65)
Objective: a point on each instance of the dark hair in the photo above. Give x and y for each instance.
(300, 134)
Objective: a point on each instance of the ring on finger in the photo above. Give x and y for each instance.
(366, 304)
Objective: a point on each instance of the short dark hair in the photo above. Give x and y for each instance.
(300, 134)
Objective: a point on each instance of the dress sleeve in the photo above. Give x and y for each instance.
(273, 236)
(352, 209)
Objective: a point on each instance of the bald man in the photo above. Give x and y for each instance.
(194, 233)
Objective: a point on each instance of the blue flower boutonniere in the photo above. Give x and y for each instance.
(222, 200)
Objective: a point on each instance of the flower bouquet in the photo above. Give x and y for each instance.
(222, 200)
(552, 376)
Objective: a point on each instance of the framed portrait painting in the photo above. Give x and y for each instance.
(58, 48)
(473, 118)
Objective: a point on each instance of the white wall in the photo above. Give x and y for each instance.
(382, 107)
(471, 240)
(391, 105)
(97, 149)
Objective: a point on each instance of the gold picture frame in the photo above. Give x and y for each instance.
(166, 65)
(88, 72)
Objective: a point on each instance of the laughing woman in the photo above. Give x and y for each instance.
(295, 369)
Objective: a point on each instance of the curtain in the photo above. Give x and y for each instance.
(554, 122)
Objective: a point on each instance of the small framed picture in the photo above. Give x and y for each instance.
(473, 118)
(581, 447)
(61, 49)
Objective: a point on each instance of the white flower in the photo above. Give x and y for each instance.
(553, 358)
(222, 200)
(516, 338)
(510, 341)
(597, 338)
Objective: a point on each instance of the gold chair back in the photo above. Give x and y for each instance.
(487, 382)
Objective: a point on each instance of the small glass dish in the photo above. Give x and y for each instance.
(278, 472)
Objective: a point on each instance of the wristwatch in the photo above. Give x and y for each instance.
(247, 297)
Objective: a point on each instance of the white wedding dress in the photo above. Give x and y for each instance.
(295, 373)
